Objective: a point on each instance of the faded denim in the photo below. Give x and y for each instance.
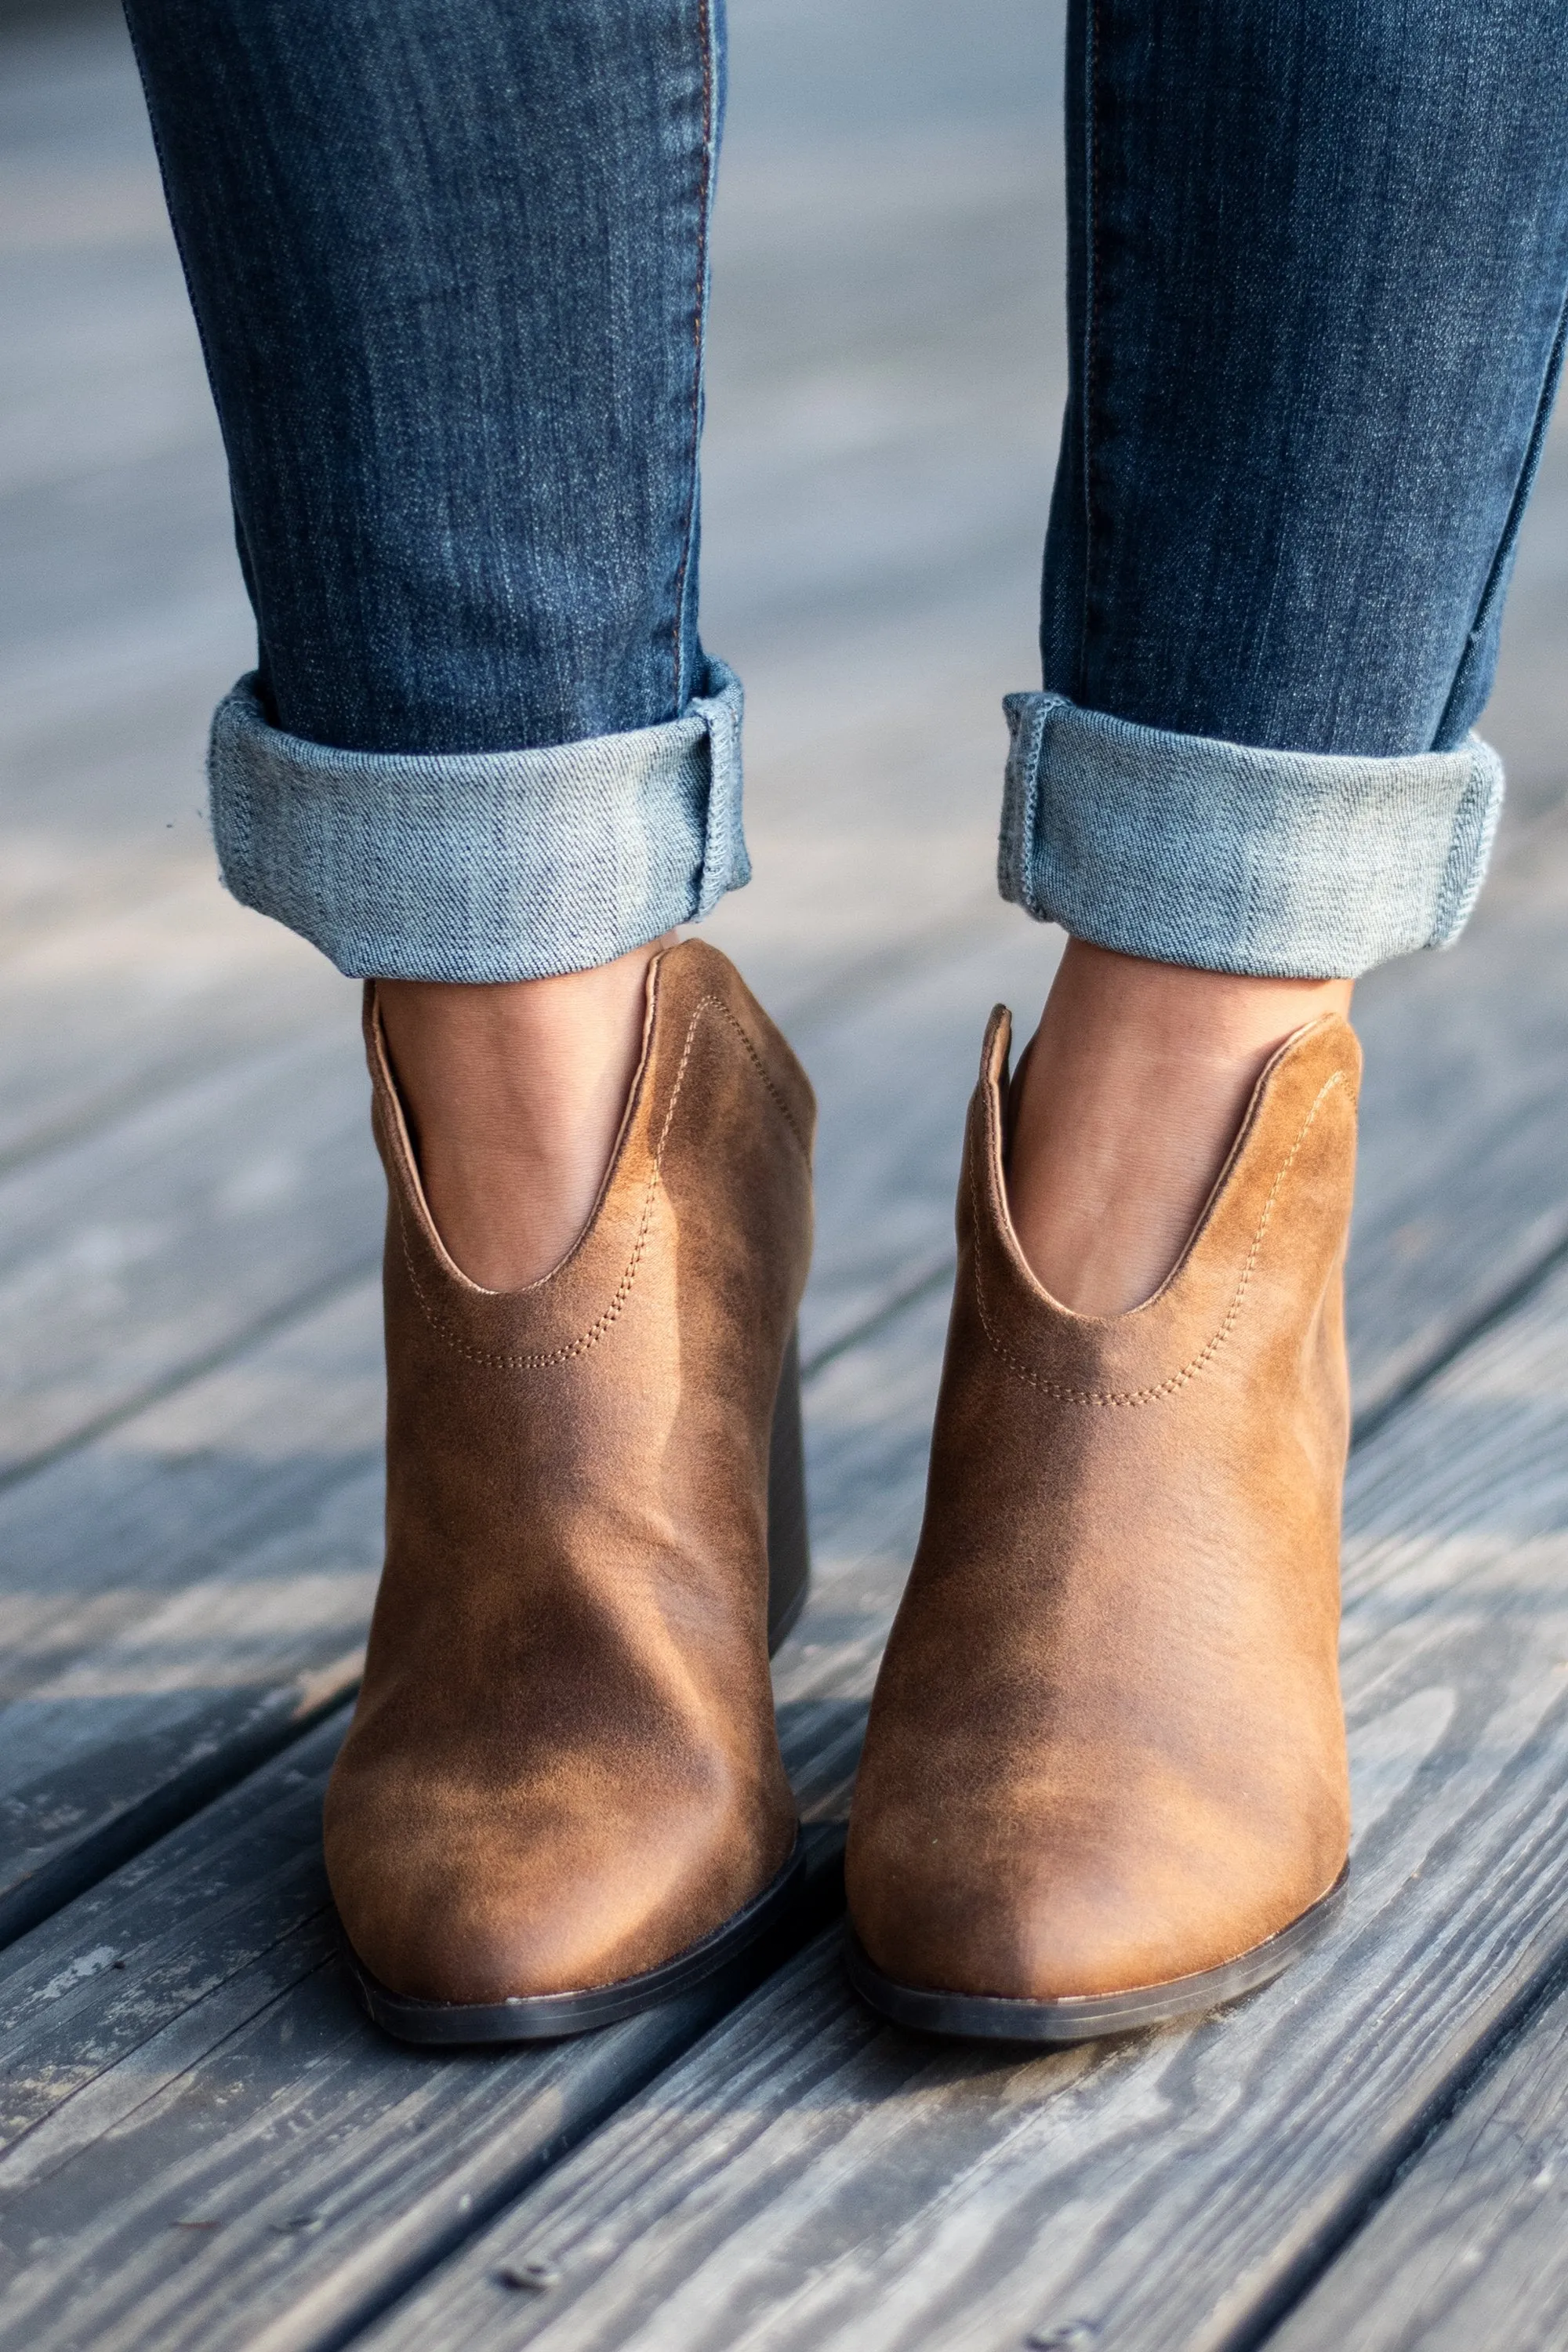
(1189, 851)
(482, 865)
(1317, 267)
(449, 260)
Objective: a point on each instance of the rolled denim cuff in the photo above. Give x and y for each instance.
(1290, 864)
(481, 866)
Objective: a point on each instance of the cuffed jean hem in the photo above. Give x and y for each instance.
(481, 866)
(1288, 865)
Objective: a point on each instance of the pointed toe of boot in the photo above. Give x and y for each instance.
(1082, 1934)
(496, 1914)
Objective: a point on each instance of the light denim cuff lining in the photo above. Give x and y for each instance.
(481, 866)
(1293, 864)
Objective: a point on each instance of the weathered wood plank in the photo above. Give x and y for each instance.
(163, 1235)
(133, 1257)
(1465, 1123)
(137, 1000)
(194, 2013)
(1470, 2251)
(1459, 1510)
(180, 1597)
(201, 2142)
(877, 797)
(810, 2178)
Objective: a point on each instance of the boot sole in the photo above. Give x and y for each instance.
(557, 2016)
(989, 2016)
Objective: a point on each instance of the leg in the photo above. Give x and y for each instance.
(1292, 472)
(1318, 271)
(449, 261)
(482, 744)
(1135, 1084)
(514, 1095)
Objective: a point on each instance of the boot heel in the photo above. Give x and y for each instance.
(789, 1543)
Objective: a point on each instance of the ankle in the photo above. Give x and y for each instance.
(514, 1096)
(1134, 1088)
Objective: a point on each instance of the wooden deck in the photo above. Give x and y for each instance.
(202, 2144)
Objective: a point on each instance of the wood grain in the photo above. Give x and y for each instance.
(873, 506)
(202, 2144)
(182, 1596)
(1469, 2253)
(169, 1233)
(807, 2178)
(1465, 1122)
(187, 1180)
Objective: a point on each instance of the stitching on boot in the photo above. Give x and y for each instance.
(1205, 1354)
(545, 1361)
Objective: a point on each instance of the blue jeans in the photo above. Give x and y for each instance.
(449, 261)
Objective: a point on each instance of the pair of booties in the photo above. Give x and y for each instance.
(1104, 1778)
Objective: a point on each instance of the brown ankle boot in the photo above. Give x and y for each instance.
(1104, 1780)
(562, 1798)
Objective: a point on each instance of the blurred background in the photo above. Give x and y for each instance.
(887, 377)
(886, 382)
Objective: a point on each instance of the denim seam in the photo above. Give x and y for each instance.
(1090, 335)
(1206, 1355)
(699, 322)
(543, 1361)
(1508, 541)
(1463, 870)
(1020, 797)
(725, 865)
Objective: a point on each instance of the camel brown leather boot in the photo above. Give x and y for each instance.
(1104, 1780)
(562, 1797)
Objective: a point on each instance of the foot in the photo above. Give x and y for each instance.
(1104, 1778)
(564, 1771)
(1126, 1108)
(515, 1094)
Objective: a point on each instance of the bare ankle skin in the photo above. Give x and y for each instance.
(1130, 1100)
(515, 1093)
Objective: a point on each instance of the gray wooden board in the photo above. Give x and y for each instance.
(204, 2142)
(1465, 1122)
(1469, 2253)
(133, 1253)
(182, 1594)
(810, 2178)
(105, 1012)
(131, 1256)
(182, 1591)
(201, 2142)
